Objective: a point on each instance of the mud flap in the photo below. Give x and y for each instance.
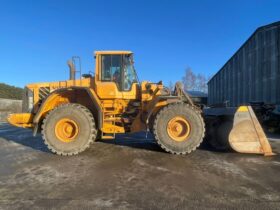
(247, 135)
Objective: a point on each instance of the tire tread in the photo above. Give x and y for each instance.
(93, 132)
(171, 107)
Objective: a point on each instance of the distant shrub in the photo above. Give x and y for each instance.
(10, 92)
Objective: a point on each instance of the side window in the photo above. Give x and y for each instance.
(111, 68)
(129, 74)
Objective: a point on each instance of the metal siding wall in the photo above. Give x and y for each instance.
(247, 77)
(231, 83)
(265, 69)
(223, 85)
(215, 90)
(227, 83)
(210, 92)
(273, 65)
(278, 66)
(252, 74)
(239, 76)
(259, 63)
(211, 101)
(268, 66)
(235, 81)
(253, 65)
(247, 70)
(219, 88)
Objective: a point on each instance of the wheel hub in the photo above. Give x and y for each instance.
(66, 130)
(178, 129)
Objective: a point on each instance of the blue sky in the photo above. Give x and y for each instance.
(37, 37)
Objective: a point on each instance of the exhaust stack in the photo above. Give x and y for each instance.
(72, 71)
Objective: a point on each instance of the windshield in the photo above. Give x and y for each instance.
(129, 72)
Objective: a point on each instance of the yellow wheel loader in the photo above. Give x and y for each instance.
(74, 113)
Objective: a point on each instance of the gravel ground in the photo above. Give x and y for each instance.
(131, 172)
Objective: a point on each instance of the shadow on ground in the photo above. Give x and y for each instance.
(22, 136)
(141, 140)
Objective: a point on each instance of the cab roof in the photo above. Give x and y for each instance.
(112, 52)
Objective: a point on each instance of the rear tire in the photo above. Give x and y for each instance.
(69, 129)
(179, 128)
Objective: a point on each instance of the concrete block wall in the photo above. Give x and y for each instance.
(8, 106)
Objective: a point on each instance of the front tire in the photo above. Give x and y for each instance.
(69, 129)
(178, 128)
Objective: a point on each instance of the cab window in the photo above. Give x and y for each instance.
(129, 73)
(118, 69)
(111, 68)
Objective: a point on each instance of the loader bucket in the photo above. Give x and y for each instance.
(247, 135)
(23, 120)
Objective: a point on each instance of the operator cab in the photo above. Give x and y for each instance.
(115, 75)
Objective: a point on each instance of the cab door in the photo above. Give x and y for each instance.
(131, 87)
(115, 80)
(108, 83)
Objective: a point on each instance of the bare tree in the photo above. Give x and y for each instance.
(194, 81)
(201, 83)
(189, 80)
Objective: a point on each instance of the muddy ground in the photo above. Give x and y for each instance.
(132, 173)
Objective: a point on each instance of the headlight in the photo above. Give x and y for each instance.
(27, 101)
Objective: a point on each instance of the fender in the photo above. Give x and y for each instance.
(159, 102)
(62, 96)
(141, 123)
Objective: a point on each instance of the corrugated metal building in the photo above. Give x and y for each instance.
(252, 73)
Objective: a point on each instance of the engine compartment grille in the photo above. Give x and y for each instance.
(43, 93)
